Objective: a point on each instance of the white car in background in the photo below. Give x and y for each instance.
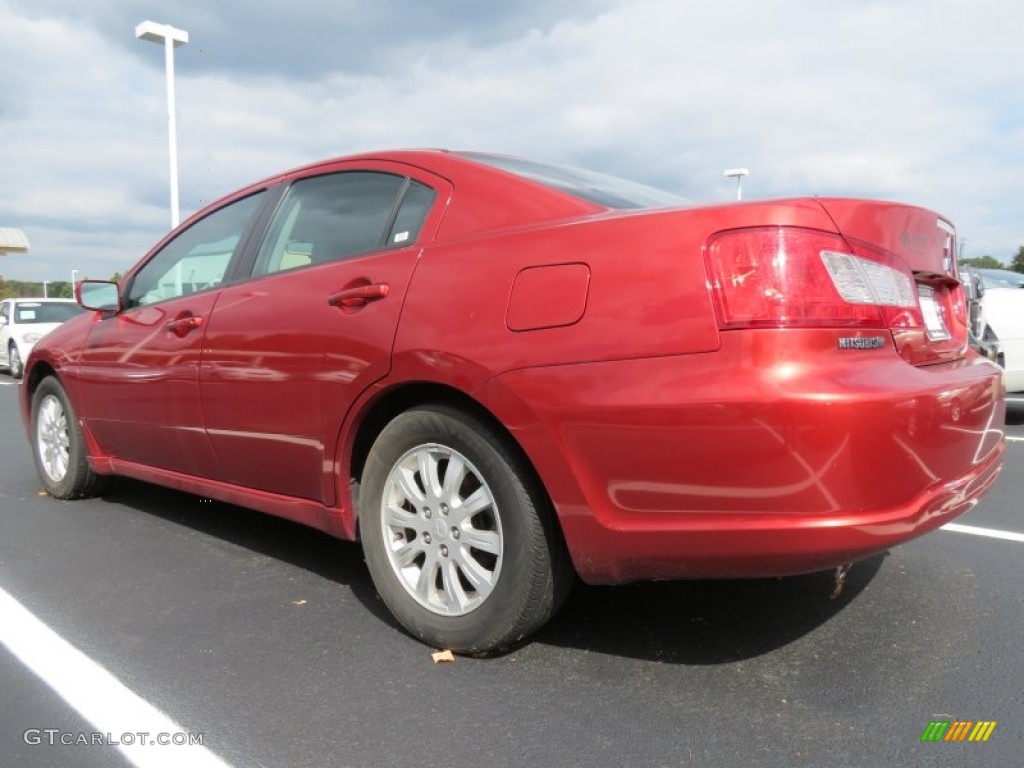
(23, 322)
(1003, 306)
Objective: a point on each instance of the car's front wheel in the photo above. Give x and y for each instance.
(14, 364)
(59, 446)
(458, 535)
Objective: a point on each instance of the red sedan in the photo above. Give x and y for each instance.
(499, 374)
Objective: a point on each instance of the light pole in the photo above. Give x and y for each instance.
(74, 279)
(45, 294)
(171, 37)
(738, 174)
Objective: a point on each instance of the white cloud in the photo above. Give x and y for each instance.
(903, 99)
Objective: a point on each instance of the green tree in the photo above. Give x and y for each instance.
(116, 277)
(1017, 265)
(986, 262)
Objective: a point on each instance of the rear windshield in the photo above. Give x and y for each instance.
(41, 312)
(598, 188)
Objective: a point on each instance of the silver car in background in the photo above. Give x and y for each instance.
(1002, 321)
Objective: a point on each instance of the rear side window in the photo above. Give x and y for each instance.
(415, 207)
(340, 215)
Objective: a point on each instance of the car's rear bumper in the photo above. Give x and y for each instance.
(777, 454)
(727, 546)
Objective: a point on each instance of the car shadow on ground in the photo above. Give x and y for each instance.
(704, 622)
(311, 550)
(1015, 410)
(695, 622)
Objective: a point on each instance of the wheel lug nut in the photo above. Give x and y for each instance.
(444, 551)
(444, 509)
(455, 533)
(426, 538)
(426, 512)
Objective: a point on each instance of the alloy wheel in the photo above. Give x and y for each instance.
(442, 530)
(52, 438)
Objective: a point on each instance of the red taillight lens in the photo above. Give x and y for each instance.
(959, 301)
(790, 277)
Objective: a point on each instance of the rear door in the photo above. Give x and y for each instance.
(287, 352)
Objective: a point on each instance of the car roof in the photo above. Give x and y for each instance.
(488, 197)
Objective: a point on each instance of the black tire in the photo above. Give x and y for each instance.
(14, 365)
(520, 566)
(58, 445)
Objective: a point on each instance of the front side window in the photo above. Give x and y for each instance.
(340, 215)
(196, 259)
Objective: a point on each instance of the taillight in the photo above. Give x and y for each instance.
(791, 277)
(959, 302)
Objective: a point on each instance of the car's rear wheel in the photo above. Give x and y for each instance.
(14, 364)
(59, 446)
(458, 535)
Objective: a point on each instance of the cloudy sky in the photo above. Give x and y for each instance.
(914, 100)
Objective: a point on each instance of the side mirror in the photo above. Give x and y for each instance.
(98, 295)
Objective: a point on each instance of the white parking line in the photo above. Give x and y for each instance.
(1010, 439)
(992, 533)
(98, 696)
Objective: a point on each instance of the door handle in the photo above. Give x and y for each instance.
(358, 296)
(182, 326)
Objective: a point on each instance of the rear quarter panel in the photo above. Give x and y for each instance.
(635, 412)
(647, 294)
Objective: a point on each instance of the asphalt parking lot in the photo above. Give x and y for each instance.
(268, 640)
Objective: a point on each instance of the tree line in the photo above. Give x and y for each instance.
(989, 262)
(27, 289)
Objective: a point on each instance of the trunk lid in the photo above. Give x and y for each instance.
(926, 243)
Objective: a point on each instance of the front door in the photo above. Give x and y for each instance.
(140, 367)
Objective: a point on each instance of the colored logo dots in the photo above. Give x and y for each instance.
(958, 730)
